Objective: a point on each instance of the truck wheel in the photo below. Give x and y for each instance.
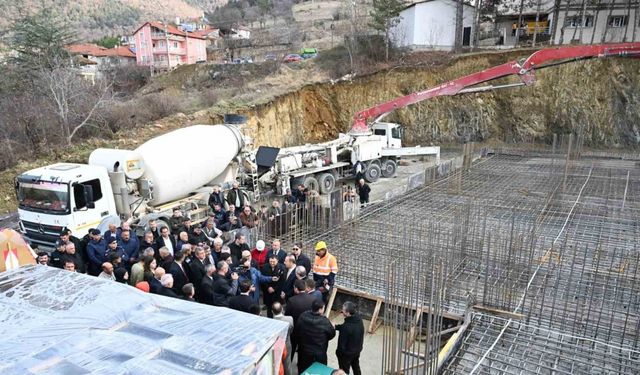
(372, 174)
(311, 183)
(389, 168)
(376, 162)
(327, 182)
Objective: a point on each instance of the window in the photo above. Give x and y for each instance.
(79, 189)
(175, 44)
(395, 133)
(617, 21)
(578, 21)
(380, 132)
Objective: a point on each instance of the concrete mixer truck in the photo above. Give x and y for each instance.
(143, 184)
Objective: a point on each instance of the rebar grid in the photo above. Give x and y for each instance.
(558, 252)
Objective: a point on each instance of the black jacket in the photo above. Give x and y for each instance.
(299, 304)
(154, 245)
(351, 336)
(363, 192)
(241, 303)
(304, 261)
(205, 292)
(313, 332)
(196, 273)
(160, 243)
(287, 286)
(236, 250)
(231, 198)
(223, 290)
(154, 285)
(216, 198)
(167, 292)
(180, 277)
(77, 260)
(279, 271)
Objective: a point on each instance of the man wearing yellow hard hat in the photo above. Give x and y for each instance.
(325, 268)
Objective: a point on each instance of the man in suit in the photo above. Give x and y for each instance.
(271, 290)
(196, 267)
(290, 278)
(179, 273)
(205, 293)
(296, 305)
(167, 240)
(165, 258)
(243, 301)
(277, 251)
(167, 286)
(235, 198)
(224, 289)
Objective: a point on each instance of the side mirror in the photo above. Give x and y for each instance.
(88, 196)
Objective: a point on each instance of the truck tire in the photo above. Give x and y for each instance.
(372, 174)
(327, 183)
(311, 183)
(376, 162)
(389, 168)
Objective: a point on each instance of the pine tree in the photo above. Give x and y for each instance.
(385, 15)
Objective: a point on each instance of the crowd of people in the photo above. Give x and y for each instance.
(191, 261)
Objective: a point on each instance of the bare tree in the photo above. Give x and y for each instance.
(73, 99)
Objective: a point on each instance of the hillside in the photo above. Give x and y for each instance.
(96, 18)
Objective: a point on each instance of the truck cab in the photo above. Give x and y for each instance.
(73, 196)
(390, 131)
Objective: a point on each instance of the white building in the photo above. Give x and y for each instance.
(431, 24)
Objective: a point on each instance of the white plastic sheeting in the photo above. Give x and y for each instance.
(57, 322)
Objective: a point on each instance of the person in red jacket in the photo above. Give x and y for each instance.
(259, 255)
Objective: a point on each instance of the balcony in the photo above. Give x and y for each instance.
(163, 36)
(172, 51)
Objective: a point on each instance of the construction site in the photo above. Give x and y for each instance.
(501, 261)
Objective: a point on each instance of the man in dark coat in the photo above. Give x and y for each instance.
(148, 241)
(236, 198)
(178, 270)
(298, 304)
(224, 289)
(313, 331)
(301, 259)
(271, 290)
(243, 301)
(205, 293)
(216, 197)
(350, 340)
(289, 278)
(167, 287)
(363, 191)
(238, 246)
(167, 240)
(196, 268)
(97, 252)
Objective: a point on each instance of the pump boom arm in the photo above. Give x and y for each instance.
(524, 69)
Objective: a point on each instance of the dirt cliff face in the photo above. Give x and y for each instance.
(598, 98)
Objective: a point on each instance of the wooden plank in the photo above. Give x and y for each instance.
(374, 317)
(332, 298)
(502, 313)
(413, 332)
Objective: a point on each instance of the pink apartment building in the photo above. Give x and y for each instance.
(165, 47)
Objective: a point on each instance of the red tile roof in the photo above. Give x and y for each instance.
(99, 51)
(170, 29)
(203, 33)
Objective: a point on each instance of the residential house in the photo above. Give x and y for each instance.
(604, 21)
(97, 60)
(164, 46)
(579, 22)
(239, 32)
(211, 36)
(431, 24)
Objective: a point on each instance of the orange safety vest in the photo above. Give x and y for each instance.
(325, 266)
